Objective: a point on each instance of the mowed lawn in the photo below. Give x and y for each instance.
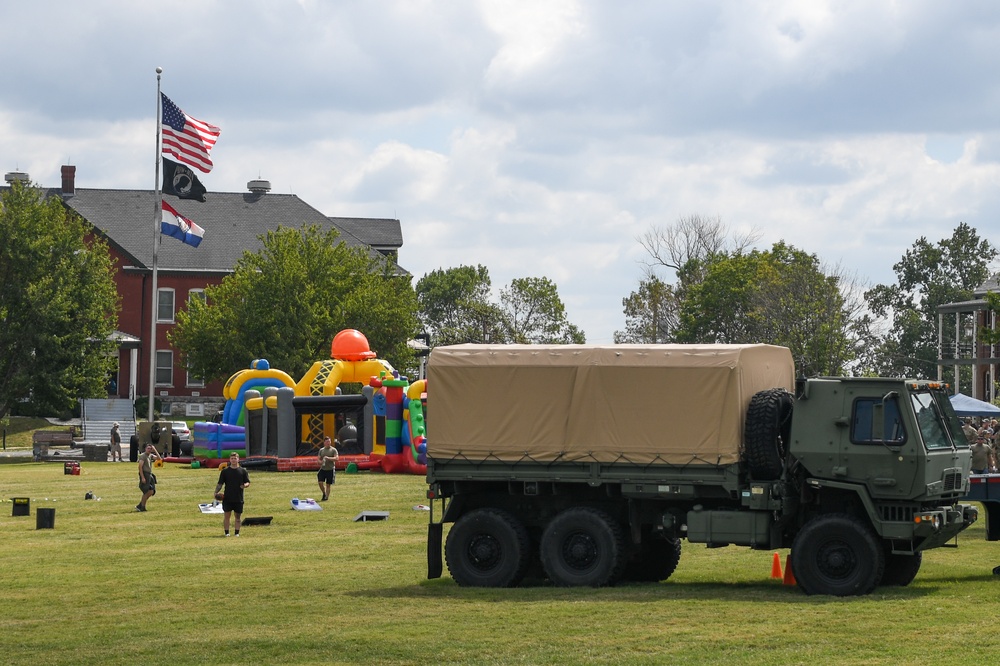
(111, 586)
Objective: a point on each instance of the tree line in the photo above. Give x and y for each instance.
(701, 283)
(722, 290)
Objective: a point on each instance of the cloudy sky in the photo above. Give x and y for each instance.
(537, 137)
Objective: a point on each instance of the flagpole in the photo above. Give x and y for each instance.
(157, 217)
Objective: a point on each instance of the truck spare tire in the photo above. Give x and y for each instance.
(767, 431)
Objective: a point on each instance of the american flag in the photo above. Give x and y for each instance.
(187, 139)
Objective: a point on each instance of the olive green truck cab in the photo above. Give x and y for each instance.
(588, 465)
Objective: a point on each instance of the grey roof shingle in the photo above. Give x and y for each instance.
(233, 223)
(991, 284)
(377, 232)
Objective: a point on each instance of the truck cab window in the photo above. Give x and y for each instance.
(877, 421)
(931, 420)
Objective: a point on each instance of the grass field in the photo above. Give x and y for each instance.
(110, 586)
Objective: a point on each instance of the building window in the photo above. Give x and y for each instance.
(193, 380)
(164, 368)
(165, 305)
(196, 293)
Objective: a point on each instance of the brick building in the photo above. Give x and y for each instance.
(233, 223)
(964, 359)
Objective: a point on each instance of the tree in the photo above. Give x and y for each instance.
(455, 306)
(719, 309)
(287, 301)
(780, 296)
(809, 309)
(58, 304)
(651, 313)
(928, 275)
(533, 313)
(687, 246)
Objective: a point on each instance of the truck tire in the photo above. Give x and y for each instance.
(656, 560)
(837, 554)
(767, 431)
(900, 570)
(487, 548)
(583, 547)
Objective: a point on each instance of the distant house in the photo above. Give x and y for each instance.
(960, 344)
(233, 223)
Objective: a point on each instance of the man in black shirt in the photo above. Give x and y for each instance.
(234, 479)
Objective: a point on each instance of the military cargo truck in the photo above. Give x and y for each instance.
(588, 465)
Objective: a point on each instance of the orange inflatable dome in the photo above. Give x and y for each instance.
(351, 345)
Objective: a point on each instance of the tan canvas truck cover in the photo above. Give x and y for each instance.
(641, 404)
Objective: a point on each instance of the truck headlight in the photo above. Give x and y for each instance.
(932, 518)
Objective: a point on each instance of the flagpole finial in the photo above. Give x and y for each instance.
(159, 70)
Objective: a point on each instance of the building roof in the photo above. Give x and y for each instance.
(992, 284)
(233, 223)
(979, 302)
(376, 232)
(963, 306)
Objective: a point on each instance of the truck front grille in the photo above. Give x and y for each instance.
(897, 513)
(952, 480)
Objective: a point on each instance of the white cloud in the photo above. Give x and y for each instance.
(541, 137)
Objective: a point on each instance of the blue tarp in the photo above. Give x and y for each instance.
(966, 406)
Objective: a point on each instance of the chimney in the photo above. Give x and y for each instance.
(16, 176)
(68, 180)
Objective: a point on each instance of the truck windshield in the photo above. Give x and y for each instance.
(938, 423)
(953, 422)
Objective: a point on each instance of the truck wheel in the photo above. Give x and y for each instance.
(487, 548)
(837, 554)
(768, 429)
(584, 547)
(900, 570)
(655, 561)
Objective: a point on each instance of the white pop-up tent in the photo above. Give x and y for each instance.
(966, 406)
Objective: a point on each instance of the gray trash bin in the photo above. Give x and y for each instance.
(45, 519)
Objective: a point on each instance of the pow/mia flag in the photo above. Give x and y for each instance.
(181, 182)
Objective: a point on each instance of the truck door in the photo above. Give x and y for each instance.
(946, 450)
(878, 448)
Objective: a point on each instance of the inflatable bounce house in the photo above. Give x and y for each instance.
(271, 419)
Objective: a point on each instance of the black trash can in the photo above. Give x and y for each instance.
(133, 448)
(22, 506)
(45, 519)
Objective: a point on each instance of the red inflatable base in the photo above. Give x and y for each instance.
(401, 463)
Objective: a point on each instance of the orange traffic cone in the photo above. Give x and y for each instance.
(776, 567)
(789, 578)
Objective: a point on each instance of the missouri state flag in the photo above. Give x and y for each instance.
(186, 139)
(176, 225)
